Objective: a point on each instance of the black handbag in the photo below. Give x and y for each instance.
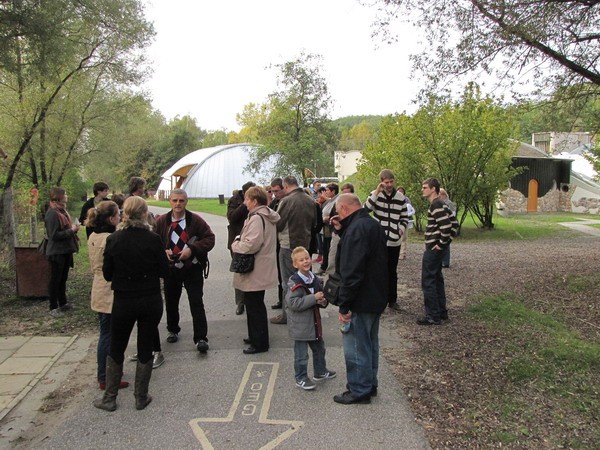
(331, 288)
(242, 263)
(42, 247)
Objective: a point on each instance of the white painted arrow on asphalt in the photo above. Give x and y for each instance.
(247, 425)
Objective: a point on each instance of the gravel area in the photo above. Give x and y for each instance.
(457, 410)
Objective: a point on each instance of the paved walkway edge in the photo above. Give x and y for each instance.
(36, 379)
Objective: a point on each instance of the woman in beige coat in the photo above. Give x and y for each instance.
(258, 237)
(102, 220)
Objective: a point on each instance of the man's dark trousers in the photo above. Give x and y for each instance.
(393, 255)
(192, 279)
(432, 282)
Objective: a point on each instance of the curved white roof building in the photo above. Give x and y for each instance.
(210, 172)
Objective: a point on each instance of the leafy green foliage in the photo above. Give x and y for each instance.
(557, 41)
(574, 108)
(294, 126)
(594, 157)
(464, 144)
(61, 59)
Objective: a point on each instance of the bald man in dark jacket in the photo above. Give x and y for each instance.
(361, 263)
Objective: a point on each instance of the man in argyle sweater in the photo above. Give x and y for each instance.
(187, 239)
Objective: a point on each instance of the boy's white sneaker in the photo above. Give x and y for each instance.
(306, 384)
(326, 376)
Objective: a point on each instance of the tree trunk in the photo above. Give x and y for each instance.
(7, 227)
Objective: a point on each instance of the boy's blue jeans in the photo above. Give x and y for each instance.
(301, 358)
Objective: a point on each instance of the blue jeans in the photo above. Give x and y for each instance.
(446, 259)
(301, 358)
(432, 283)
(361, 351)
(103, 345)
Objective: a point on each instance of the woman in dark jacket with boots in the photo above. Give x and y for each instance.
(62, 243)
(134, 261)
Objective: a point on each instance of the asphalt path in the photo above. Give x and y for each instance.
(226, 399)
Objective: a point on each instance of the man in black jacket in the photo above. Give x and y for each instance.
(362, 297)
(278, 192)
(294, 229)
(236, 215)
(100, 194)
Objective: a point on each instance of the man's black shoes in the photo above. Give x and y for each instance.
(252, 350)
(202, 346)
(428, 321)
(239, 310)
(348, 398)
(276, 306)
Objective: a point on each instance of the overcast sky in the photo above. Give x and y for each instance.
(210, 58)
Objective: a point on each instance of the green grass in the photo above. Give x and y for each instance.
(543, 355)
(520, 227)
(209, 206)
(517, 226)
(581, 283)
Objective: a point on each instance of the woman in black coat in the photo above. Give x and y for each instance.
(62, 243)
(134, 261)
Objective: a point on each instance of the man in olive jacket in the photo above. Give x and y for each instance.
(362, 297)
(294, 229)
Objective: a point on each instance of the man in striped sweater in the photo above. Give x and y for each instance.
(389, 209)
(437, 238)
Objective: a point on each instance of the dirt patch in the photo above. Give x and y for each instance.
(452, 373)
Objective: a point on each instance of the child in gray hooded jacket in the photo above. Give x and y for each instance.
(303, 301)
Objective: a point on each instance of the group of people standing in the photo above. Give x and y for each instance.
(130, 251)
(356, 247)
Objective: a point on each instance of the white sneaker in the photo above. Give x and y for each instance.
(158, 360)
(56, 312)
(326, 376)
(306, 384)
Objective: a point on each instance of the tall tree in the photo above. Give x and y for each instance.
(49, 46)
(357, 137)
(465, 144)
(559, 40)
(574, 108)
(46, 47)
(294, 125)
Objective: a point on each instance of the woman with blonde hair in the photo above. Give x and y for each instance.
(101, 221)
(258, 237)
(134, 261)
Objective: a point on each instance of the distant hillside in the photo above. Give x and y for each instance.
(344, 123)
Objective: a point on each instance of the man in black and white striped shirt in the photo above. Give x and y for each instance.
(389, 209)
(437, 238)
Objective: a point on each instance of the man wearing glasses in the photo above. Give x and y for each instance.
(187, 239)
